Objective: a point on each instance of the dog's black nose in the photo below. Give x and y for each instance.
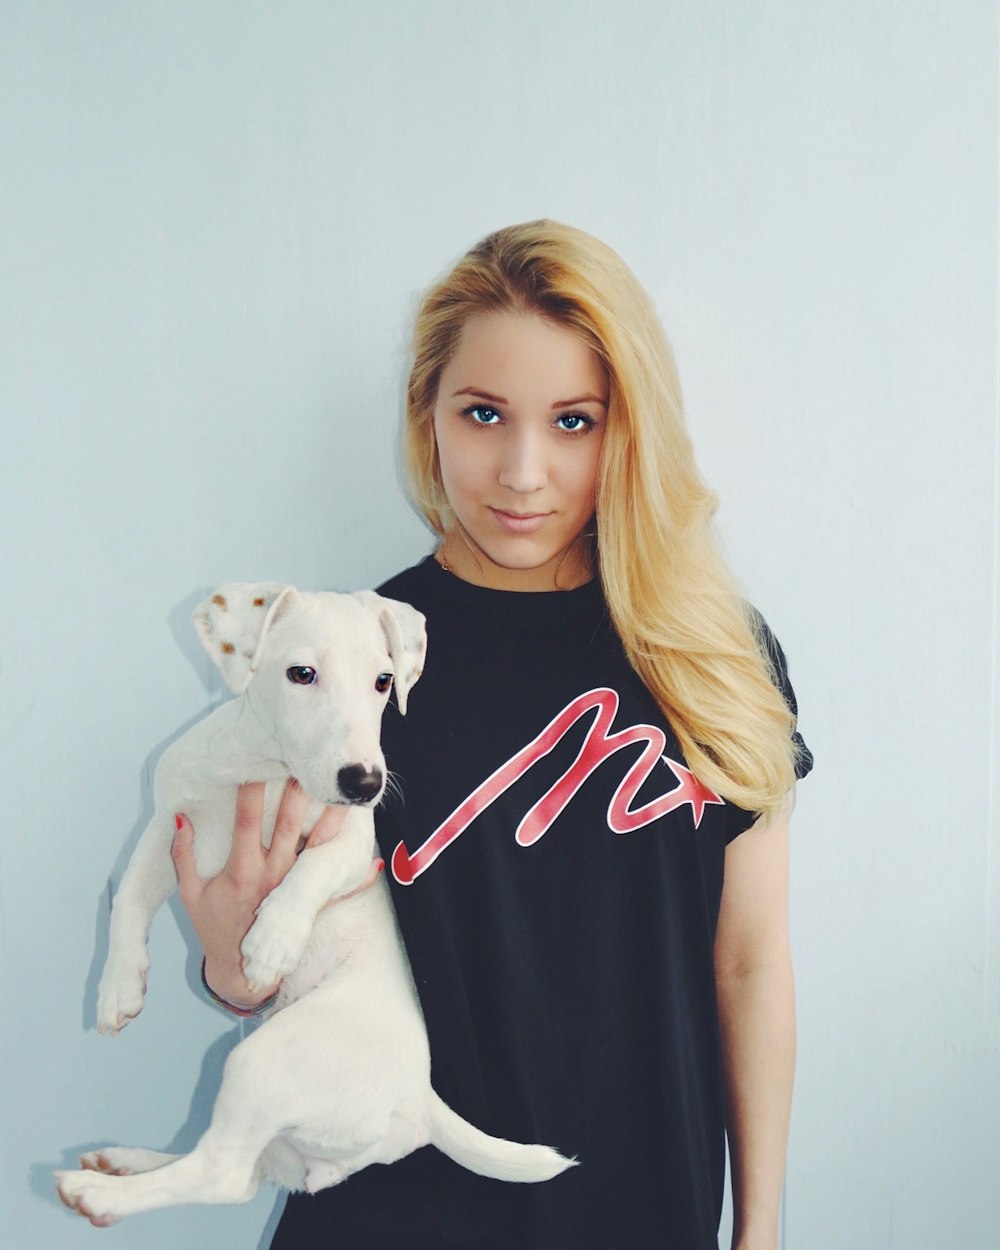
(359, 784)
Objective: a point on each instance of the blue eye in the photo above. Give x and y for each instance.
(573, 422)
(479, 414)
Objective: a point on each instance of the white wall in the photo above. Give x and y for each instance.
(216, 218)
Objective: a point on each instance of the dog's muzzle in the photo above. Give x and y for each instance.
(359, 784)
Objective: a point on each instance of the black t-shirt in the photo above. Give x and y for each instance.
(557, 874)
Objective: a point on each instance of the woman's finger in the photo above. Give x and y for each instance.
(288, 822)
(189, 883)
(328, 825)
(248, 827)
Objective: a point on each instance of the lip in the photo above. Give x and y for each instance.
(520, 522)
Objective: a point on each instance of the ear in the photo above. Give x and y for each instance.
(406, 637)
(233, 623)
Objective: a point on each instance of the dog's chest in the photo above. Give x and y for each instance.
(213, 819)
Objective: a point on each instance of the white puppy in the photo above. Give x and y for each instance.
(339, 1076)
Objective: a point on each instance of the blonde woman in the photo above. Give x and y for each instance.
(589, 858)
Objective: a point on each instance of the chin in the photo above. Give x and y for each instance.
(520, 560)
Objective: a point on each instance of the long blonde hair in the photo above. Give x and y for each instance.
(672, 600)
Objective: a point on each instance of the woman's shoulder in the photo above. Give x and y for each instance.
(778, 665)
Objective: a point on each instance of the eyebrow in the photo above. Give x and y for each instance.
(581, 399)
(479, 393)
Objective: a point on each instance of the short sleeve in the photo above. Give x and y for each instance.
(779, 675)
(742, 819)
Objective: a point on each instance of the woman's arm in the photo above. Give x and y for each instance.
(756, 995)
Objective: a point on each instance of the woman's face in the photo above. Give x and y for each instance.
(520, 417)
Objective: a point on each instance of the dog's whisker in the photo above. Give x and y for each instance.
(394, 787)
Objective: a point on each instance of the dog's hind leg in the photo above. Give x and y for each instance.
(283, 1165)
(124, 1160)
(224, 1167)
(212, 1172)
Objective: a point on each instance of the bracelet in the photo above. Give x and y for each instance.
(242, 1012)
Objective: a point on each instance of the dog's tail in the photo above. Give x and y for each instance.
(490, 1156)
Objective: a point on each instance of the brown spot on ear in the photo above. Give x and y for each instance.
(219, 601)
(258, 603)
(227, 648)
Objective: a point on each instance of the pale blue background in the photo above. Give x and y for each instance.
(216, 218)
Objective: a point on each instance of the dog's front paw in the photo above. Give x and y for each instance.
(274, 944)
(120, 996)
(89, 1194)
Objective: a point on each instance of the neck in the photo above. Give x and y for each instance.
(459, 556)
(232, 734)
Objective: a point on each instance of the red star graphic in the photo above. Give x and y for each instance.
(691, 790)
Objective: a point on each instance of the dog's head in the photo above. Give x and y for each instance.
(316, 671)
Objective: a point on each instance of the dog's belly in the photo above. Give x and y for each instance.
(357, 940)
(349, 1062)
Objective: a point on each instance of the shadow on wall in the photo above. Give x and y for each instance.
(179, 623)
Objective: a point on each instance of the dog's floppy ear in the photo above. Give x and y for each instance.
(232, 625)
(406, 637)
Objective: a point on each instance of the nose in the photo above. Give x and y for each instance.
(522, 466)
(359, 784)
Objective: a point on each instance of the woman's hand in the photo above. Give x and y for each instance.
(223, 908)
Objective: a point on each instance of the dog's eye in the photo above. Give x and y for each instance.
(383, 682)
(301, 675)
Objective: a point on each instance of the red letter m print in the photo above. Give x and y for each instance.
(599, 744)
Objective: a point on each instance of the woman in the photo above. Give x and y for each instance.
(603, 962)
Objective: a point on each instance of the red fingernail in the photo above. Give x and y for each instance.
(381, 865)
(178, 823)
